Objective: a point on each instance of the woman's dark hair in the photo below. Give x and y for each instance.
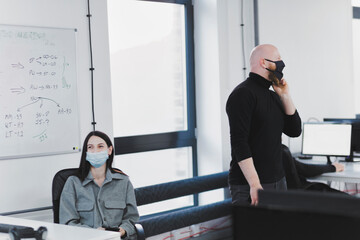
(84, 167)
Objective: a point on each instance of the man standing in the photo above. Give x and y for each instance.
(257, 118)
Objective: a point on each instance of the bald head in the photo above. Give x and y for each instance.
(258, 54)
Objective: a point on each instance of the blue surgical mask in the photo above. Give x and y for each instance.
(97, 159)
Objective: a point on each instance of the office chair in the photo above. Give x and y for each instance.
(58, 183)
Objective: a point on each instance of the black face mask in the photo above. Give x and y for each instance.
(279, 68)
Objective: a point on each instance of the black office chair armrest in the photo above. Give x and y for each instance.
(139, 231)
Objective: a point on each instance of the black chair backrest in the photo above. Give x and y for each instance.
(311, 201)
(57, 187)
(293, 180)
(263, 223)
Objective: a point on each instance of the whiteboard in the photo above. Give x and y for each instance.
(38, 93)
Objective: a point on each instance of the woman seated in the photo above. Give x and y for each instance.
(296, 173)
(99, 196)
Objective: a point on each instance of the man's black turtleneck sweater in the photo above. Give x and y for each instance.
(257, 121)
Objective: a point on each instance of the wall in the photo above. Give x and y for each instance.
(315, 41)
(25, 183)
(218, 69)
(207, 85)
(356, 46)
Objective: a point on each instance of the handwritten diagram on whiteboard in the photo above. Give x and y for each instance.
(38, 93)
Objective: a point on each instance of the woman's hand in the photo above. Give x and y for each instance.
(339, 167)
(122, 231)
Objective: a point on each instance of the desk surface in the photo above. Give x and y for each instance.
(351, 173)
(60, 232)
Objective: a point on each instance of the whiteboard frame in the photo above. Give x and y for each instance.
(8, 157)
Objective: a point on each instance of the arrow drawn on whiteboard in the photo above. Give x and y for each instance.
(17, 90)
(17, 65)
(37, 99)
(48, 99)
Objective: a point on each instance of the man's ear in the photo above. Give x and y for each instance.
(262, 62)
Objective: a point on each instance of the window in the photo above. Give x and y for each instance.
(152, 76)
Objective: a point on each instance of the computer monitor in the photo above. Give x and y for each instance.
(327, 139)
(355, 136)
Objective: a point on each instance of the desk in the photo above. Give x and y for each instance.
(351, 173)
(60, 232)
